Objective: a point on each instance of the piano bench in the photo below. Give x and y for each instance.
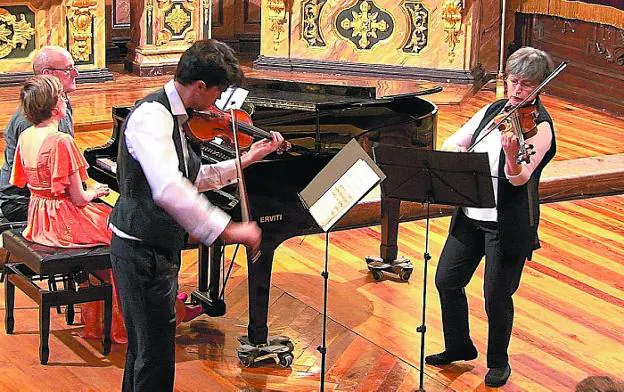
(5, 224)
(33, 262)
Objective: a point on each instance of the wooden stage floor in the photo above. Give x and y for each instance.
(569, 308)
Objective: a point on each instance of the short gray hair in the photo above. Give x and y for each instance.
(531, 64)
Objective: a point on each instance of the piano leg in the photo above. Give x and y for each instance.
(388, 250)
(209, 280)
(390, 209)
(259, 281)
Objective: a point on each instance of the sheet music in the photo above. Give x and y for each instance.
(232, 98)
(348, 190)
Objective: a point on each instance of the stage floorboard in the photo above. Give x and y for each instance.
(569, 308)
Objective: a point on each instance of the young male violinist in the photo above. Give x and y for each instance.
(160, 180)
(505, 234)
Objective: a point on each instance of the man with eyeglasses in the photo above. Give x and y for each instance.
(52, 60)
(505, 234)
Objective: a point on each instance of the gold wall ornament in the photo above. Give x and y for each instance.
(366, 21)
(419, 27)
(190, 36)
(163, 37)
(177, 19)
(13, 32)
(310, 15)
(277, 17)
(80, 15)
(452, 18)
(164, 5)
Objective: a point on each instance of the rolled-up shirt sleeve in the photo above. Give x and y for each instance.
(216, 176)
(149, 140)
(541, 143)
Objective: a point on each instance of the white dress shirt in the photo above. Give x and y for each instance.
(149, 141)
(491, 144)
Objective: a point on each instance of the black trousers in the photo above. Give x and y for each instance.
(14, 203)
(462, 252)
(147, 283)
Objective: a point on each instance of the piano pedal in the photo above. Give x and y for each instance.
(402, 267)
(279, 348)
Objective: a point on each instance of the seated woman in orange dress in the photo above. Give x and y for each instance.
(61, 212)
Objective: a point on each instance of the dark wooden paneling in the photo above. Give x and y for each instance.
(117, 29)
(237, 22)
(489, 35)
(595, 52)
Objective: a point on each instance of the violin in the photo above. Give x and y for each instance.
(522, 123)
(215, 123)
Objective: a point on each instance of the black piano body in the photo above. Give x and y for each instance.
(320, 118)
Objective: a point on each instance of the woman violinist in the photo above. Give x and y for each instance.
(506, 234)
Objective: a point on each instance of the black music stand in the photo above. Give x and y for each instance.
(451, 178)
(343, 182)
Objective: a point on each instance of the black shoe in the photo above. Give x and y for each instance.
(446, 357)
(497, 377)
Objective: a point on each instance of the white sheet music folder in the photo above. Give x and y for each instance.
(344, 181)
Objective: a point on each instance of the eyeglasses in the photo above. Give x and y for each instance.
(68, 70)
(524, 84)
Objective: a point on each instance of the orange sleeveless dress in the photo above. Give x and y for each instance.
(44, 160)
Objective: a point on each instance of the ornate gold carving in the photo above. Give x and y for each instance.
(368, 24)
(163, 37)
(451, 15)
(311, 11)
(419, 27)
(190, 36)
(164, 5)
(13, 32)
(277, 17)
(150, 9)
(80, 14)
(177, 19)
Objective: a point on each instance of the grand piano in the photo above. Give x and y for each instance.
(321, 119)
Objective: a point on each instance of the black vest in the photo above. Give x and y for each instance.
(135, 212)
(517, 206)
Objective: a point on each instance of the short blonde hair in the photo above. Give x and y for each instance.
(39, 96)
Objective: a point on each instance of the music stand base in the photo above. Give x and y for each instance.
(212, 307)
(402, 267)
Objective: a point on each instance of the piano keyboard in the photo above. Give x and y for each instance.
(107, 164)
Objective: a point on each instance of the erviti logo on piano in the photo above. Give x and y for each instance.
(271, 218)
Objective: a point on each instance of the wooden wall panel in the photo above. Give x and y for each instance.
(595, 52)
(488, 38)
(117, 29)
(237, 22)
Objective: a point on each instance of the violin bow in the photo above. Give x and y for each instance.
(490, 127)
(242, 189)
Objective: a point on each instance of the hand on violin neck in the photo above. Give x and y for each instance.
(264, 147)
